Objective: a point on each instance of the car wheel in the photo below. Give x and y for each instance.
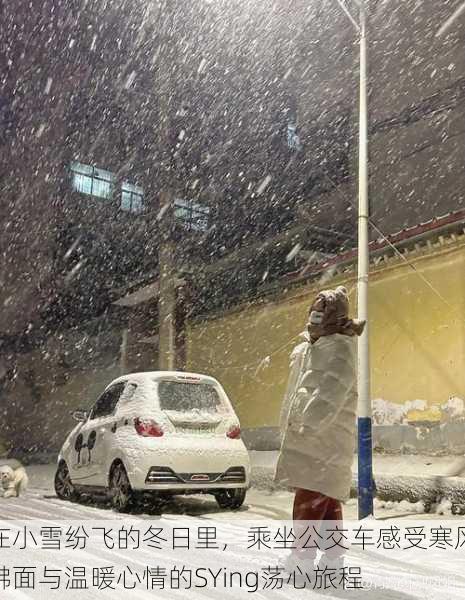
(122, 496)
(232, 499)
(64, 487)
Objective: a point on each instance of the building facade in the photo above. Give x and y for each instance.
(243, 115)
(416, 305)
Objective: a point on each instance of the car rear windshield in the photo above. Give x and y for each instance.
(186, 397)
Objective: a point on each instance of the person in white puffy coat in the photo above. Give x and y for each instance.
(318, 417)
(297, 367)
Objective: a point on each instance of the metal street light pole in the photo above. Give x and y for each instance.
(365, 440)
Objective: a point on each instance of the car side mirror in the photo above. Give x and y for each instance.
(79, 415)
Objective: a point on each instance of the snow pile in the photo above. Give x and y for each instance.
(402, 506)
(390, 413)
(453, 409)
(418, 411)
(419, 405)
(387, 413)
(443, 508)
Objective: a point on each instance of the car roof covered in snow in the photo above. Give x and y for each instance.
(150, 376)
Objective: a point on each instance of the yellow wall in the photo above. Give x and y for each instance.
(418, 337)
(417, 341)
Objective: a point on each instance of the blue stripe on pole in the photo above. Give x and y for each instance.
(365, 468)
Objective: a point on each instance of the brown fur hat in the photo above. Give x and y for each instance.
(329, 314)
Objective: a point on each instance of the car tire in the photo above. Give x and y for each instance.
(121, 493)
(232, 499)
(64, 488)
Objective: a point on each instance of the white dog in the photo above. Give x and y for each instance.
(13, 481)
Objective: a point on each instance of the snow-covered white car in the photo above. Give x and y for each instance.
(156, 432)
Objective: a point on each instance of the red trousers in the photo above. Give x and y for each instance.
(313, 506)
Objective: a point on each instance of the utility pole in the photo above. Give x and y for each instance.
(166, 305)
(365, 436)
(166, 253)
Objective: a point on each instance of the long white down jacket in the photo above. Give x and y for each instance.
(318, 418)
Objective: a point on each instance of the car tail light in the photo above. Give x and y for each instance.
(234, 433)
(148, 427)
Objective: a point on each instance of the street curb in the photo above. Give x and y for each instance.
(388, 487)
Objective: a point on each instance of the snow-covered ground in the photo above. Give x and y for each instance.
(41, 501)
(387, 574)
(261, 503)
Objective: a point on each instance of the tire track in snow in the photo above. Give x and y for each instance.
(49, 506)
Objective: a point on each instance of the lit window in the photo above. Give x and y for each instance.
(192, 215)
(293, 139)
(92, 181)
(132, 198)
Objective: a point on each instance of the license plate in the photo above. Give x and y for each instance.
(196, 430)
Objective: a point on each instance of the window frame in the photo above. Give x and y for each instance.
(120, 384)
(192, 215)
(132, 191)
(96, 176)
(294, 142)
